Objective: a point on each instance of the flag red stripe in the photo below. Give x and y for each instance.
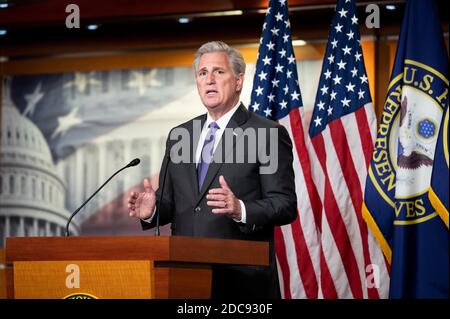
(349, 172)
(300, 146)
(343, 152)
(365, 134)
(367, 146)
(304, 261)
(280, 250)
(326, 281)
(337, 225)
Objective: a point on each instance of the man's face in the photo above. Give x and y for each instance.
(217, 86)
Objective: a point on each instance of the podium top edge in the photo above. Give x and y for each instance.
(156, 248)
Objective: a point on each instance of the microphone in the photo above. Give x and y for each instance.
(134, 162)
(167, 156)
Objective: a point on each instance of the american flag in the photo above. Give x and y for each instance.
(327, 250)
(342, 132)
(276, 95)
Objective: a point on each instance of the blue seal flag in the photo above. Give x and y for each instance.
(438, 193)
(413, 237)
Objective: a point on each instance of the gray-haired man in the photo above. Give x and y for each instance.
(225, 199)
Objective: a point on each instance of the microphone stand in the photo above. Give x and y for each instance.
(134, 162)
(157, 233)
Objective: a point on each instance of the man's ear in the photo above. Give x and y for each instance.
(239, 82)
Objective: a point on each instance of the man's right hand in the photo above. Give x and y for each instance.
(142, 205)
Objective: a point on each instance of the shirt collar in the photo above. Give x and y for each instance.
(224, 119)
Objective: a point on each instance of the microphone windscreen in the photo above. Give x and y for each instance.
(134, 162)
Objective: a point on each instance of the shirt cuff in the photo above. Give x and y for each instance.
(149, 220)
(243, 214)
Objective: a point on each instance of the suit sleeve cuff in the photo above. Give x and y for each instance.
(149, 220)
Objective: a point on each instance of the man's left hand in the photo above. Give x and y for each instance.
(225, 201)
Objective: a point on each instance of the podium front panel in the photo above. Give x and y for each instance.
(109, 279)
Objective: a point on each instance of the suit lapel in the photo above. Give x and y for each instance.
(238, 119)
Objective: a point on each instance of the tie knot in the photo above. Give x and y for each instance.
(213, 125)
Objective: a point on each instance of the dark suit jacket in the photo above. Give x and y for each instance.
(269, 199)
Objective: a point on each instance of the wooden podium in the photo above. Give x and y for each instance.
(122, 267)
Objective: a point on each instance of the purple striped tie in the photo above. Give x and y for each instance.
(206, 154)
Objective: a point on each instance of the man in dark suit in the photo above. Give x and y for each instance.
(220, 182)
